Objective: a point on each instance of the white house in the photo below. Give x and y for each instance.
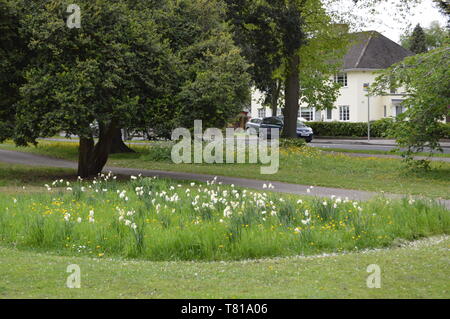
(371, 52)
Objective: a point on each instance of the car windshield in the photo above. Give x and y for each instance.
(300, 124)
(272, 120)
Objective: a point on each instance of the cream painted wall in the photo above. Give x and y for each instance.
(353, 95)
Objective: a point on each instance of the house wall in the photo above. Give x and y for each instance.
(353, 96)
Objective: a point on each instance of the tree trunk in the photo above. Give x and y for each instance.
(84, 155)
(274, 98)
(92, 158)
(118, 146)
(292, 96)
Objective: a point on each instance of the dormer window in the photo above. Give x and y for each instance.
(341, 78)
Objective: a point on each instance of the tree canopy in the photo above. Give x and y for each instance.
(294, 48)
(425, 78)
(434, 37)
(120, 70)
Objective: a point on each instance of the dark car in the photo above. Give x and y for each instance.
(275, 122)
(253, 124)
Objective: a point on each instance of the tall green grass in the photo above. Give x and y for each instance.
(161, 220)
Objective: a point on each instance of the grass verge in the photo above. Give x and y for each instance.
(377, 152)
(419, 271)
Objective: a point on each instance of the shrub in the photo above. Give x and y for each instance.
(378, 128)
(158, 153)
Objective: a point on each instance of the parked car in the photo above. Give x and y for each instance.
(253, 124)
(276, 122)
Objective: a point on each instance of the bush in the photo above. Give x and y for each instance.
(378, 128)
(158, 153)
(446, 130)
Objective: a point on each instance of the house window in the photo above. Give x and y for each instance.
(307, 113)
(329, 114)
(344, 113)
(341, 78)
(262, 112)
(385, 111)
(398, 110)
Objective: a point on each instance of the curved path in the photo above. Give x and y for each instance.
(39, 160)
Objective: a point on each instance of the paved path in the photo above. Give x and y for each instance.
(38, 160)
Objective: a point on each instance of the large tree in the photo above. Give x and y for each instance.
(418, 42)
(13, 55)
(112, 70)
(127, 66)
(425, 78)
(435, 35)
(213, 83)
(294, 47)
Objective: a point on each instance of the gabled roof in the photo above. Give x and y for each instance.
(372, 50)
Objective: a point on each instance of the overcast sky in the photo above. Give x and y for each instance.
(391, 23)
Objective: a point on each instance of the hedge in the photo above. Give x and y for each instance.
(359, 129)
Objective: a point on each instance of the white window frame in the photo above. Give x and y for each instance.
(344, 113)
(262, 112)
(308, 110)
(341, 78)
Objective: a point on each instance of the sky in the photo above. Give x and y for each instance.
(391, 23)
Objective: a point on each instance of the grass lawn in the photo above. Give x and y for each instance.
(421, 271)
(39, 271)
(17, 176)
(377, 152)
(307, 167)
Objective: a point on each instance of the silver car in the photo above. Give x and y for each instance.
(252, 126)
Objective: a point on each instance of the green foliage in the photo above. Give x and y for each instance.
(130, 65)
(418, 41)
(425, 78)
(292, 142)
(112, 69)
(435, 36)
(289, 44)
(212, 83)
(380, 128)
(13, 53)
(220, 87)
